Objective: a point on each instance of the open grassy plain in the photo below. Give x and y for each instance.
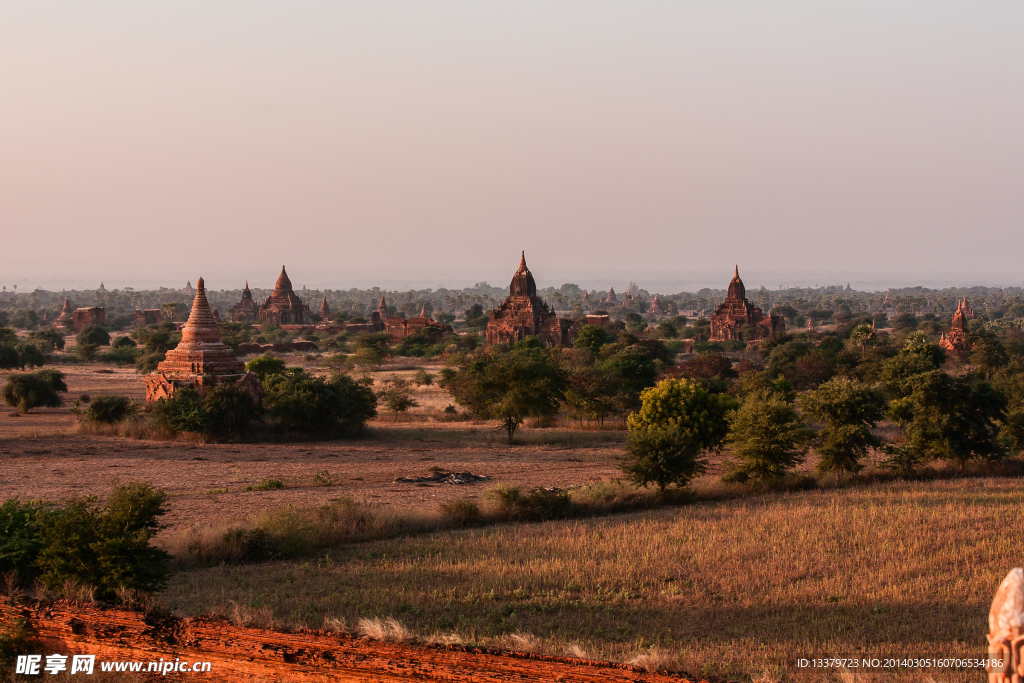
(44, 454)
(737, 588)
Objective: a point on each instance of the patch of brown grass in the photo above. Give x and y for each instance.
(731, 588)
(136, 429)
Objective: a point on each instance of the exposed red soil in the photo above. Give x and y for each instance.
(246, 654)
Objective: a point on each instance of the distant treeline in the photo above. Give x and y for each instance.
(822, 305)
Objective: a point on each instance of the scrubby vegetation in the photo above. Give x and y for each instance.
(30, 390)
(105, 546)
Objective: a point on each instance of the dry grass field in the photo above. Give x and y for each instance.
(738, 588)
(43, 454)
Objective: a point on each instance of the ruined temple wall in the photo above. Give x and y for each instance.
(83, 317)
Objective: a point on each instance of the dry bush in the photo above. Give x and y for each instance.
(655, 659)
(522, 641)
(385, 629)
(79, 593)
(576, 650)
(134, 599)
(461, 512)
(445, 639)
(335, 624)
(260, 617)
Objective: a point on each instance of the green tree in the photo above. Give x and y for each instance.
(109, 409)
(955, 418)
(591, 338)
(767, 438)
(51, 339)
(756, 382)
(31, 355)
(590, 393)
(265, 366)
(917, 357)
(678, 423)
(862, 335)
(848, 410)
(170, 309)
(396, 396)
(104, 546)
(300, 403)
(230, 409)
(379, 342)
(124, 343)
(630, 371)
(184, 411)
(93, 334)
(31, 390)
(988, 354)
(510, 386)
(87, 352)
(9, 358)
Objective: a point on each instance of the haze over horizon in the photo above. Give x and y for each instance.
(415, 145)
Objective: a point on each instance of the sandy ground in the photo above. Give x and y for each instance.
(42, 455)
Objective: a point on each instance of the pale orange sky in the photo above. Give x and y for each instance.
(403, 143)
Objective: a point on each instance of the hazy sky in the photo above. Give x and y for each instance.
(421, 143)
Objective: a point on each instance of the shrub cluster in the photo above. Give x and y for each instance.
(106, 546)
(294, 402)
(30, 390)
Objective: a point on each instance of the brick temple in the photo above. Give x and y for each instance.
(656, 308)
(325, 311)
(399, 327)
(149, 316)
(246, 309)
(83, 317)
(283, 306)
(524, 314)
(200, 359)
(66, 317)
(736, 313)
(956, 341)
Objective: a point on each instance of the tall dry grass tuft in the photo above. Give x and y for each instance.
(335, 624)
(655, 659)
(259, 617)
(445, 639)
(576, 650)
(522, 641)
(385, 629)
